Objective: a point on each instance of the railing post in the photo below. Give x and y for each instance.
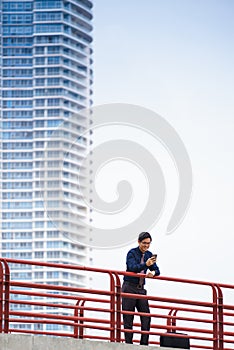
(5, 294)
(1, 297)
(171, 320)
(220, 316)
(112, 307)
(79, 330)
(118, 308)
(215, 319)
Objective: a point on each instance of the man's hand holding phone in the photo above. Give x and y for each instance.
(151, 260)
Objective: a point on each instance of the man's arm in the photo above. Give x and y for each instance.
(154, 269)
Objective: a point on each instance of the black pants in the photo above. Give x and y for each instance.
(142, 305)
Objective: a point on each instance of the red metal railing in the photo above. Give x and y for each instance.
(60, 310)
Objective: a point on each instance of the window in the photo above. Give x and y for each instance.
(17, 6)
(17, 93)
(39, 244)
(53, 71)
(39, 154)
(39, 194)
(39, 255)
(17, 104)
(17, 30)
(17, 195)
(53, 254)
(52, 204)
(47, 39)
(14, 62)
(40, 82)
(54, 112)
(52, 234)
(44, 4)
(52, 274)
(17, 73)
(48, 28)
(40, 102)
(39, 204)
(53, 163)
(14, 176)
(17, 83)
(17, 135)
(18, 41)
(39, 234)
(39, 214)
(17, 155)
(39, 123)
(39, 113)
(39, 164)
(53, 184)
(39, 134)
(53, 123)
(53, 60)
(39, 60)
(53, 154)
(39, 224)
(17, 205)
(53, 81)
(15, 226)
(16, 215)
(53, 49)
(48, 16)
(39, 275)
(17, 125)
(53, 173)
(17, 114)
(39, 144)
(39, 50)
(52, 193)
(22, 51)
(40, 71)
(53, 101)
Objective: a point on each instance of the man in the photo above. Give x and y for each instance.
(139, 259)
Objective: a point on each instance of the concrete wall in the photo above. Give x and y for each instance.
(28, 342)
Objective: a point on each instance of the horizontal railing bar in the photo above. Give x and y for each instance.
(62, 306)
(165, 316)
(179, 308)
(58, 265)
(62, 296)
(172, 300)
(62, 288)
(170, 334)
(96, 337)
(182, 318)
(55, 316)
(31, 331)
(64, 323)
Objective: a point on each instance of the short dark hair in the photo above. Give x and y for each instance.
(144, 235)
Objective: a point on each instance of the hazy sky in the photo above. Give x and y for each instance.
(176, 57)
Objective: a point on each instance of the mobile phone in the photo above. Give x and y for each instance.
(154, 256)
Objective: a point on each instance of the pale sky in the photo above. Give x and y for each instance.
(176, 57)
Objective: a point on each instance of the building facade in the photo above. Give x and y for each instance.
(46, 79)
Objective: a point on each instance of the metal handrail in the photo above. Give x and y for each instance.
(111, 326)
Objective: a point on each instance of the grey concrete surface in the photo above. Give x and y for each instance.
(29, 342)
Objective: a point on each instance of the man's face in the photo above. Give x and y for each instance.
(144, 244)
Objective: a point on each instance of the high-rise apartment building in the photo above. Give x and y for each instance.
(46, 82)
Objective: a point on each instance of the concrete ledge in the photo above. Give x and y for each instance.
(29, 342)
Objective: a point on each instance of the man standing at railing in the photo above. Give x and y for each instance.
(139, 260)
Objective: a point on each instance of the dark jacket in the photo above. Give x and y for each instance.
(134, 264)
